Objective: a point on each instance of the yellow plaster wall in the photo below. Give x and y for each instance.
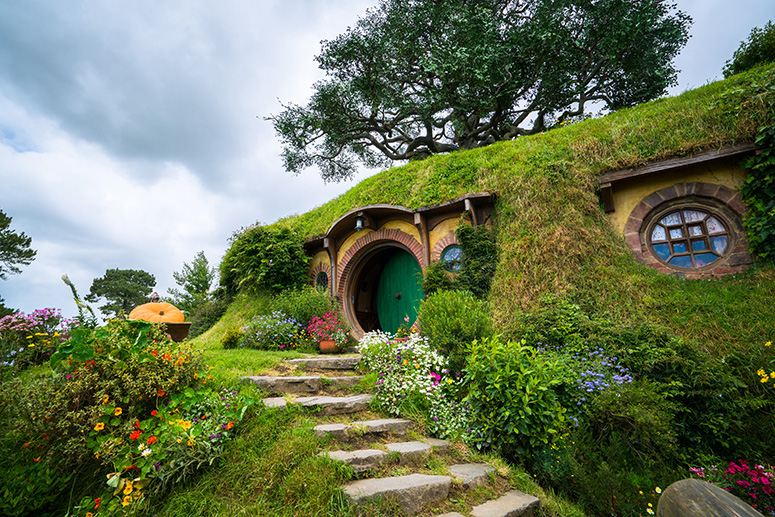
(404, 227)
(350, 240)
(626, 197)
(442, 230)
(321, 257)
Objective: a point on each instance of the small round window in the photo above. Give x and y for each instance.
(688, 237)
(452, 258)
(321, 281)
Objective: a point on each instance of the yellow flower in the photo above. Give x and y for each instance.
(658, 490)
(128, 488)
(190, 443)
(650, 505)
(105, 398)
(99, 427)
(185, 424)
(764, 379)
(760, 372)
(89, 514)
(768, 343)
(126, 501)
(117, 411)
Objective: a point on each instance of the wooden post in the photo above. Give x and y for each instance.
(695, 498)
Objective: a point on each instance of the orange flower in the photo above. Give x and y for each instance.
(117, 411)
(36, 460)
(160, 393)
(99, 427)
(155, 353)
(127, 500)
(153, 413)
(229, 425)
(151, 440)
(89, 514)
(134, 436)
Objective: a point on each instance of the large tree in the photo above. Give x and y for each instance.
(418, 77)
(15, 248)
(759, 49)
(123, 289)
(195, 279)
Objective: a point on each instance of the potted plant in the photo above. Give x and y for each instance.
(329, 331)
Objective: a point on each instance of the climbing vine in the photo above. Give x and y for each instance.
(759, 194)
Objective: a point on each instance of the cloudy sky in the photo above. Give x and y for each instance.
(132, 133)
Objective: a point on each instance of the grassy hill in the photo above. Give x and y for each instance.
(552, 232)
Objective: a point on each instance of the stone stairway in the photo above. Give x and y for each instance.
(414, 493)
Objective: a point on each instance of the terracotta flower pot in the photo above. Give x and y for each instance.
(328, 347)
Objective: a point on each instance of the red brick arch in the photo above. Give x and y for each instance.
(447, 240)
(370, 240)
(322, 267)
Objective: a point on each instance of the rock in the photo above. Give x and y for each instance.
(328, 363)
(361, 460)
(410, 450)
(511, 504)
(413, 492)
(385, 425)
(472, 474)
(438, 445)
(303, 384)
(338, 431)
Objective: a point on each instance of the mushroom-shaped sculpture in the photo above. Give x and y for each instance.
(166, 313)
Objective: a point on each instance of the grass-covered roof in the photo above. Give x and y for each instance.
(553, 235)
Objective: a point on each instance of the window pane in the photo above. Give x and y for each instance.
(683, 261)
(658, 234)
(714, 226)
(679, 247)
(677, 233)
(662, 251)
(673, 218)
(693, 216)
(719, 243)
(703, 259)
(694, 231)
(699, 245)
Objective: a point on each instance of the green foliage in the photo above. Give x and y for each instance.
(435, 278)
(206, 315)
(15, 248)
(759, 49)
(275, 331)
(124, 289)
(264, 258)
(195, 279)
(304, 303)
(30, 339)
(480, 257)
(232, 338)
(515, 409)
(460, 75)
(759, 191)
(451, 320)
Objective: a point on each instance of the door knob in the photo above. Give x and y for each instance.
(398, 296)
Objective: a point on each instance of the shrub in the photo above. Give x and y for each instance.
(480, 257)
(206, 315)
(232, 338)
(304, 303)
(410, 372)
(275, 331)
(264, 258)
(511, 398)
(758, 50)
(452, 319)
(28, 340)
(435, 278)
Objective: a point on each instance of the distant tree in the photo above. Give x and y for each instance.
(414, 78)
(4, 309)
(195, 280)
(14, 248)
(758, 50)
(124, 289)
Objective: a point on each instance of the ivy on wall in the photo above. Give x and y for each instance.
(758, 192)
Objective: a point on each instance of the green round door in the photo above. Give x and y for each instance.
(399, 292)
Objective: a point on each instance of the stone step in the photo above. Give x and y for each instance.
(326, 405)
(472, 474)
(342, 432)
(302, 384)
(413, 492)
(367, 459)
(510, 504)
(327, 363)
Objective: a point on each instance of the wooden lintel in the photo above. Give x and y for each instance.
(607, 196)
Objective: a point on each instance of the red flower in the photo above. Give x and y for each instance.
(160, 393)
(153, 413)
(135, 435)
(229, 425)
(155, 353)
(137, 424)
(97, 503)
(151, 440)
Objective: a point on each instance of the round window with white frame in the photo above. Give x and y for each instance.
(689, 236)
(452, 258)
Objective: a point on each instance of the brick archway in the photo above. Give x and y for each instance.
(447, 240)
(320, 268)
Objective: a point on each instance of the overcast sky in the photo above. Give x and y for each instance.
(132, 133)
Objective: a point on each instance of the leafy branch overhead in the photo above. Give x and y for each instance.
(414, 78)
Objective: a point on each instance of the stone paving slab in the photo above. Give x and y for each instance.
(410, 450)
(327, 363)
(413, 492)
(453, 514)
(342, 432)
(472, 474)
(326, 405)
(438, 445)
(301, 384)
(361, 460)
(511, 504)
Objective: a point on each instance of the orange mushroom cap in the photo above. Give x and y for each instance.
(157, 312)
